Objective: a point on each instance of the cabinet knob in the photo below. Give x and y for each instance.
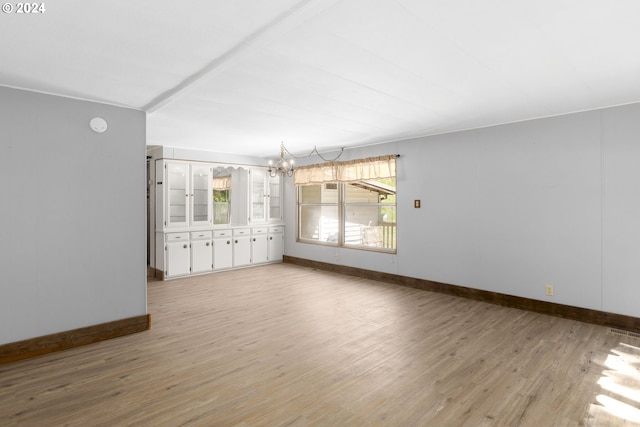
(270, 238)
(254, 239)
(228, 242)
(236, 241)
(207, 243)
(185, 246)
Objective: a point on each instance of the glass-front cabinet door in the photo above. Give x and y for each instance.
(257, 196)
(177, 185)
(200, 196)
(275, 199)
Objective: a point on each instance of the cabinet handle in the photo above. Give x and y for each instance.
(236, 241)
(270, 238)
(254, 239)
(207, 243)
(228, 242)
(185, 246)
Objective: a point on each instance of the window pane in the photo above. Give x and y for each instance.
(371, 191)
(221, 206)
(221, 213)
(319, 193)
(319, 223)
(220, 195)
(370, 226)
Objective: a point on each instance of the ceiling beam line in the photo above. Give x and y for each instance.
(248, 42)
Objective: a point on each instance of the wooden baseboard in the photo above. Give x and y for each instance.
(618, 321)
(154, 273)
(38, 346)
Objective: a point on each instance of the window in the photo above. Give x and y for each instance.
(369, 213)
(359, 213)
(221, 199)
(318, 213)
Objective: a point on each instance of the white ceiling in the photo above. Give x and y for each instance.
(240, 76)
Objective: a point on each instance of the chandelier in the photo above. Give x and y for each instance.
(284, 167)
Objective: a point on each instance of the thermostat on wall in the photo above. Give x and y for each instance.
(98, 124)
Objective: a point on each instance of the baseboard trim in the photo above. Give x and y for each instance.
(38, 346)
(619, 321)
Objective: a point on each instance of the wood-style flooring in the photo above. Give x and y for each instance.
(284, 345)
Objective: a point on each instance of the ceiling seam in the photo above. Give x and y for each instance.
(249, 41)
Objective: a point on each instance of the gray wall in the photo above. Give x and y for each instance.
(72, 216)
(515, 207)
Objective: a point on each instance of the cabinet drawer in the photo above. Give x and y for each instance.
(259, 230)
(176, 237)
(200, 235)
(241, 231)
(221, 233)
(276, 229)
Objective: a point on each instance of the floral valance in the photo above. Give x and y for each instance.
(222, 182)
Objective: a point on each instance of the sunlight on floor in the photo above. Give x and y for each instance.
(619, 398)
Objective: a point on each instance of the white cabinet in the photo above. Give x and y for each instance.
(176, 194)
(275, 243)
(259, 245)
(201, 185)
(265, 197)
(201, 252)
(211, 217)
(274, 210)
(222, 249)
(184, 194)
(257, 196)
(177, 260)
(241, 247)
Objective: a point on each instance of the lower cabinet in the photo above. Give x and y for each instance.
(222, 249)
(241, 247)
(276, 243)
(259, 245)
(204, 251)
(201, 252)
(177, 261)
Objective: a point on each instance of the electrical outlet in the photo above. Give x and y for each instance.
(549, 290)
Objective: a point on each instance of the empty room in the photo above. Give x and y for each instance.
(320, 213)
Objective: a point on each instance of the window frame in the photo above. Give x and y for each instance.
(342, 205)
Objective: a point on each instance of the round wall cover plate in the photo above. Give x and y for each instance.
(98, 124)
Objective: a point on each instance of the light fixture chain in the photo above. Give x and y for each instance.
(283, 168)
(314, 151)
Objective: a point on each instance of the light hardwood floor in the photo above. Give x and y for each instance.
(287, 345)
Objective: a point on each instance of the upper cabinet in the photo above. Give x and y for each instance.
(274, 214)
(183, 194)
(257, 196)
(264, 197)
(176, 185)
(199, 194)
